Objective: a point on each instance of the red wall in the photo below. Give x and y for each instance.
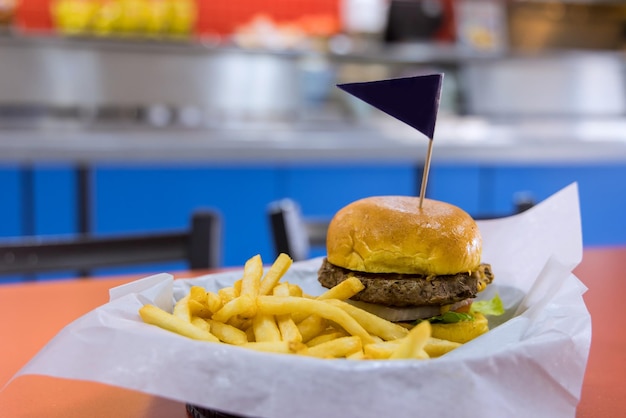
(214, 17)
(33, 15)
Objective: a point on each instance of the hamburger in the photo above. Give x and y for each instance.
(416, 263)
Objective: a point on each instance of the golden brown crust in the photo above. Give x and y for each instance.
(392, 234)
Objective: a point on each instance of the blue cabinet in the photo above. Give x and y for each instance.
(11, 181)
(324, 189)
(150, 197)
(460, 185)
(602, 190)
(156, 197)
(53, 194)
(492, 189)
(38, 199)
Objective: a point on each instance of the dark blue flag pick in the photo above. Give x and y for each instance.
(412, 100)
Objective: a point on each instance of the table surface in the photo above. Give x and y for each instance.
(33, 313)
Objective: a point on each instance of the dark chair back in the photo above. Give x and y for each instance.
(199, 246)
(292, 233)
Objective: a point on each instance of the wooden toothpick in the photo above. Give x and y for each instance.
(429, 153)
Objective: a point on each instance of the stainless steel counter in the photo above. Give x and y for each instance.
(463, 140)
(84, 80)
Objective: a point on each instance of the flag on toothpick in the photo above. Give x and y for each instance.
(412, 100)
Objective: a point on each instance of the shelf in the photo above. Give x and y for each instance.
(413, 53)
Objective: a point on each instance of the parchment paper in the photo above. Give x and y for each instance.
(531, 363)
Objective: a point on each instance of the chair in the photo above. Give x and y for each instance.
(521, 203)
(199, 246)
(294, 234)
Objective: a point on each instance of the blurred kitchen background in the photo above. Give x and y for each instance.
(127, 115)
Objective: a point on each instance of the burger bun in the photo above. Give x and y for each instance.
(393, 234)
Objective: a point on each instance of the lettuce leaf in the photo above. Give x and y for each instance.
(492, 307)
(451, 317)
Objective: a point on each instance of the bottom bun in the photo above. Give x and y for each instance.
(461, 332)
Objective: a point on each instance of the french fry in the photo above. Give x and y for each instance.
(412, 346)
(281, 289)
(274, 274)
(265, 328)
(251, 280)
(156, 316)
(295, 290)
(288, 329)
(198, 305)
(249, 333)
(214, 302)
(357, 355)
(262, 313)
(237, 287)
(373, 324)
(244, 323)
(436, 347)
(281, 305)
(285, 347)
(228, 333)
(235, 321)
(343, 290)
(311, 326)
(198, 294)
(381, 350)
(197, 309)
(181, 309)
(325, 337)
(201, 323)
(338, 347)
(243, 305)
(227, 294)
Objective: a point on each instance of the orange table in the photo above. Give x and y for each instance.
(31, 314)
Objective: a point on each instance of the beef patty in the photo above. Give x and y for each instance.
(403, 290)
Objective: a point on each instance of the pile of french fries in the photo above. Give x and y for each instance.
(262, 312)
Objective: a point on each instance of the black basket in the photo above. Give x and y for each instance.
(198, 412)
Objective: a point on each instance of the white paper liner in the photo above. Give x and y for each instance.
(533, 360)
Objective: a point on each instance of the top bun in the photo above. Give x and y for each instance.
(392, 234)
